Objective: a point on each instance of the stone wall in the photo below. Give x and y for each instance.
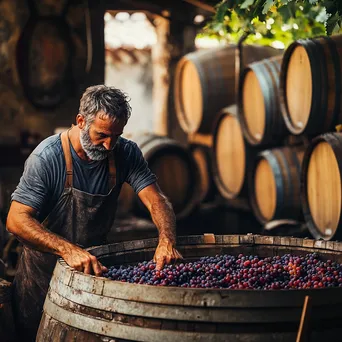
(19, 118)
(17, 113)
(21, 122)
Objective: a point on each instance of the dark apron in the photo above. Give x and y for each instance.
(80, 217)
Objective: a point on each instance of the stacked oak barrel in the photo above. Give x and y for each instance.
(174, 166)
(236, 123)
(311, 104)
(205, 83)
(205, 102)
(274, 171)
(265, 139)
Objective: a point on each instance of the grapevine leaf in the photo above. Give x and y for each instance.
(331, 23)
(331, 6)
(258, 7)
(285, 13)
(317, 31)
(268, 4)
(246, 4)
(322, 17)
(221, 11)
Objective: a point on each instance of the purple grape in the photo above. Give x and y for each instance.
(241, 272)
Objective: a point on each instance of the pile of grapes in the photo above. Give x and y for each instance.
(237, 272)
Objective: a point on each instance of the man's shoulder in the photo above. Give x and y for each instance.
(126, 143)
(49, 148)
(128, 147)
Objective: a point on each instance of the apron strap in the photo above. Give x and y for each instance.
(68, 159)
(112, 171)
(68, 162)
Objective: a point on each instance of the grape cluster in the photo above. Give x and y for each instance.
(237, 272)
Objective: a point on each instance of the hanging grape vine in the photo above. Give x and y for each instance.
(269, 22)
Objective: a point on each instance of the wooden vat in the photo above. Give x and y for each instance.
(88, 308)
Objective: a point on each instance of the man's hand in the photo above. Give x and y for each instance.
(83, 261)
(21, 222)
(165, 253)
(164, 218)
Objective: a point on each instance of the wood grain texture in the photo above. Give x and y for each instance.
(175, 168)
(311, 85)
(259, 109)
(275, 184)
(232, 155)
(321, 186)
(205, 83)
(82, 305)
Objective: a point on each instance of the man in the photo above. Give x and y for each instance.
(66, 200)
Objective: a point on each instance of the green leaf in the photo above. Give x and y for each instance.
(292, 8)
(257, 9)
(233, 17)
(331, 23)
(217, 27)
(331, 6)
(317, 31)
(221, 11)
(231, 4)
(322, 17)
(285, 13)
(246, 4)
(268, 4)
(337, 28)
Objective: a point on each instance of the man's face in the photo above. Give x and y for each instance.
(100, 137)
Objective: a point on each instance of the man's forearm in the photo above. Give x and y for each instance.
(164, 218)
(30, 232)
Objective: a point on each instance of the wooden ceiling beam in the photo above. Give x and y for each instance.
(174, 10)
(201, 5)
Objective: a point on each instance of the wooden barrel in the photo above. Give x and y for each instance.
(232, 155)
(321, 186)
(275, 184)
(259, 109)
(205, 181)
(174, 167)
(81, 307)
(310, 85)
(46, 69)
(205, 83)
(126, 201)
(7, 331)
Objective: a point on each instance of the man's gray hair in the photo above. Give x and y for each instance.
(112, 101)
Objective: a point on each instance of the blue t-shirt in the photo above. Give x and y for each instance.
(43, 179)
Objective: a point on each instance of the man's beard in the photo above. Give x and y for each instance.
(93, 152)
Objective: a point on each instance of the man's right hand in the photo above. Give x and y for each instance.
(21, 223)
(83, 261)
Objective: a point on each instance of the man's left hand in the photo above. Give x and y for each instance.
(165, 253)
